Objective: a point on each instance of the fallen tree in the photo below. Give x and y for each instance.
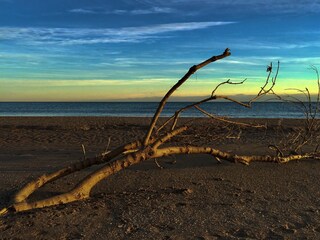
(154, 145)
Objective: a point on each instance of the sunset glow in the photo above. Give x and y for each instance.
(135, 50)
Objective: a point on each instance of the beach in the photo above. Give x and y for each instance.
(190, 197)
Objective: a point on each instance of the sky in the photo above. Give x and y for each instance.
(135, 50)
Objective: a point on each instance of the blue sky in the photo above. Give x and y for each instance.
(96, 50)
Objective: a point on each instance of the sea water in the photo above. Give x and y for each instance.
(147, 109)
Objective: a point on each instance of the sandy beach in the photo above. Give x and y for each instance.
(192, 197)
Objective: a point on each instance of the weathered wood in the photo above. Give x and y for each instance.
(151, 146)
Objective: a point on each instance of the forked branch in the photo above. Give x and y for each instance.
(164, 100)
(155, 146)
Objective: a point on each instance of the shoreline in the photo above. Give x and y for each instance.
(164, 117)
(147, 109)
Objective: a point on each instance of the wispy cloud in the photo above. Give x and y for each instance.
(70, 36)
(252, 6)
(82, 11)
(153, 10)
(274, 45)
(85, 83)
(288, 61)
(241, 62)
(140, 11)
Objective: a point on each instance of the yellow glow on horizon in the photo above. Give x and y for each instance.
(109, 90)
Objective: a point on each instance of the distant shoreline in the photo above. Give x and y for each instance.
(147, 109)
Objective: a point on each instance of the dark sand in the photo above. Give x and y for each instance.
(195, 198)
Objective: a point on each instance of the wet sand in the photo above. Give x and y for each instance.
(192, 197)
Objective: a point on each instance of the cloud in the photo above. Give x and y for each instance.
(246, 44)
(279, 6)
(84, 82)
(142, 11)
(82, 11)
(240, 62)
(248, 6)
(71, 36)
(153, 10)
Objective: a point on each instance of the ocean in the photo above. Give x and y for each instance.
(147, 109)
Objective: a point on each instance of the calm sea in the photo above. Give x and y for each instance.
(146, 109)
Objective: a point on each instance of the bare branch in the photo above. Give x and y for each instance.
(149, 146)
(226, 82)
(263, 90)
(168, 136)
(178, 112)
(228, 121)
(32, 186)
(83, 151)
(191, 71)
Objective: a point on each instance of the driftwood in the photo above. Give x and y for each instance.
(152, 146)
(294, 142)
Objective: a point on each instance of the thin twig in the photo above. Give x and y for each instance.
(228, 121)
(157, 164)
(84, 152)
(226, 82)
